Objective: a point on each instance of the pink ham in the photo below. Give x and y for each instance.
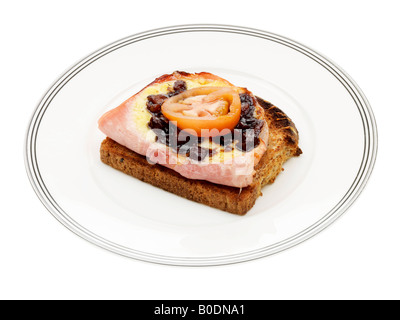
(238, 172)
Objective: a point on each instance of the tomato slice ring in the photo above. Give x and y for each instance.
(215, 110)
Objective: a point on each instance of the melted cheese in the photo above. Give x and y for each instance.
(142, 117)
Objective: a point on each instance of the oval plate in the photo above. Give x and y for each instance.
(337, 129)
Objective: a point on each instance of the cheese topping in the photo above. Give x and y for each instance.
(141, 117)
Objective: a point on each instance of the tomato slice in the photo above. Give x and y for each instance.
(205, 111)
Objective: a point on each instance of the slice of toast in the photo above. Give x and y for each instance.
(282, 145)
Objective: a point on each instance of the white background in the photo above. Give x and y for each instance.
(358, 257)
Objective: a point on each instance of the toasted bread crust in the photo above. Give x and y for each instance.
(218, 196)
(283, 144)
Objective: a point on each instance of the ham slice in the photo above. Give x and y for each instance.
(236, 171)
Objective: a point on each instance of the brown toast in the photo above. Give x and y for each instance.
(282, 145)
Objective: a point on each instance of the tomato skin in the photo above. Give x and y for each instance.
(209, 125)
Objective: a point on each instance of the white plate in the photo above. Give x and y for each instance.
(119, 213)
